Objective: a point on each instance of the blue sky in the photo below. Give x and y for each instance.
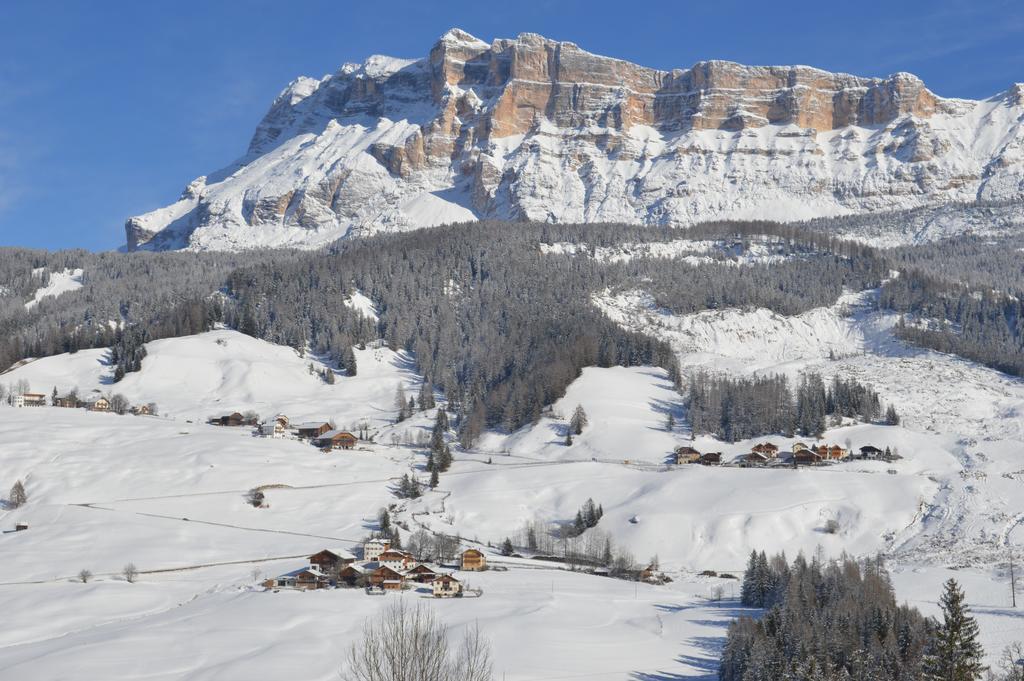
(108, 109)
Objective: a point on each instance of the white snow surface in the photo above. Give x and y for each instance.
(61, 282)
(166, 494)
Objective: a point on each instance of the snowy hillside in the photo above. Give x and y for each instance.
(59, 283)
(491, 130)
(167, 495)
(224, 371)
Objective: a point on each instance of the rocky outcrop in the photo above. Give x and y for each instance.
(530, 128)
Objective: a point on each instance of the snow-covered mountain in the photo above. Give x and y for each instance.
(531, 128)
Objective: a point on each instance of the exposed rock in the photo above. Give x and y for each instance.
(538, 129)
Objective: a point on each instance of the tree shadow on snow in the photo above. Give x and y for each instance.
(665, 407)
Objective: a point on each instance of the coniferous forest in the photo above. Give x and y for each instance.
(502, 327)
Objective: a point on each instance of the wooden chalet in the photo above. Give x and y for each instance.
(141, 410)
(308, 431)
(335, 439)
(756, 458)
(67, 401)
(233, 419)
(98, 404)
(305, 579)
(769, 450)
(374, 547)
(330, 561)
(473, 560)
(386, 578)
(831, 452)
(396, 560)
(446, 586)
(799, 446)
(421, 573)
(687, 454)
(33, 400)
(711, 458)
(806, 457)
(871, 452)
(352, 575)
(272, 429)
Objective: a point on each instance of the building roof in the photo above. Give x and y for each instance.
(340, 553)
(331, 434)
(309, 424)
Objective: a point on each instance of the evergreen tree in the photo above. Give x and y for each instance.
(17, 497)
(384, 521)
(531, 538)
(506, 547)
(401, 404)
(434, 478)
(568, 439)
(891, 417)
(670, 422)
(426, 396)
(579, 525)
(954, 653)
(348, 361)
(578, 420)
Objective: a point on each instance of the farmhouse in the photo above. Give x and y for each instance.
(711, 458)
(312, 429)
(831, 452)
(399, 561)
(805, 457)
(386, 578)
(473, 560)
(335, 439)
(756, 458)
(304, 578)
(799, 447)
(142, 410)
(769, 450)
(32, 399)
(330, 561)
(67, 401)
(421, 573)
(232, 419)
(98, 404)
(272, 429)
(871, 452)
(352, 575)
(374, 547)
(446, 586)
(687, 454)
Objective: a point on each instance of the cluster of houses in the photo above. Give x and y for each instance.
(801, 454)
(382, 569)
(73, 401)
(319, 433)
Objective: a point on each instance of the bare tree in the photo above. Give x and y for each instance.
(118, 403)
(84, 576)
(130, 573)
(408, 643)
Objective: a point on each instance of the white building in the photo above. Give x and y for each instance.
(374, 547)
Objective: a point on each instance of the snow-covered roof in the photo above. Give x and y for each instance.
(309, 424)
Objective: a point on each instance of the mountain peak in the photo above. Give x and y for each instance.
(531, 128)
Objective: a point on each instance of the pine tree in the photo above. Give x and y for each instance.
(348, 361)
(401, 404)
(954, 652)
(607, 556)
(578, 420)
(568, 439)
(891, 417)
(670, 422)
(748, 590)
(384, 521)
(18, 497)
(579, 525)
(434, 478)
(506, 547)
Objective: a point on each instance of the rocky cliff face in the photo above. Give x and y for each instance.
(536, 129)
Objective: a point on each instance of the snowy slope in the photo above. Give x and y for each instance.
(59, 283)
(533, 128)
(224, 371)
